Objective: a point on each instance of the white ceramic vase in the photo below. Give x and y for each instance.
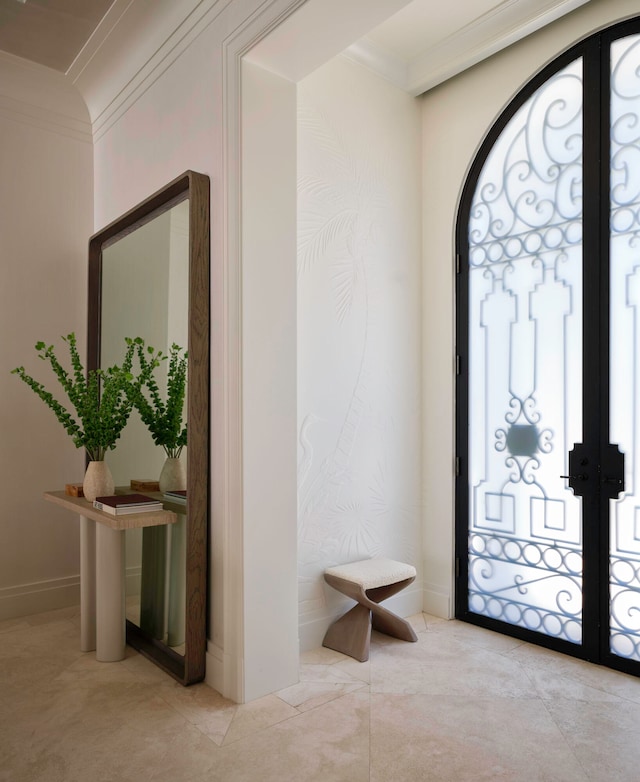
(173, 476)
(98, 481)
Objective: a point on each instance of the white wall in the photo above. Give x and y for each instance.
(359, 329)
(45, 223)
(456, 117)
(182, 109)
(269, 378)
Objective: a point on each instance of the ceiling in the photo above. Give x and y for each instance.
(418, 39)
(49, 32)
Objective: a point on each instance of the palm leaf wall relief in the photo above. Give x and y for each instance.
(318, 233)
(318, 188)
(328, 141)
(342, 197)
(344, 279)
(358, 534)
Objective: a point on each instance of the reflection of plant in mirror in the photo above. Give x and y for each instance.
(100, 398)
(162, 419)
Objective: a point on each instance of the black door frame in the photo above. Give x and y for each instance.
(595, 51)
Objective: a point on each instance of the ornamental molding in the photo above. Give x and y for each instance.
(131, 48)
(40, 97)
(505, 24)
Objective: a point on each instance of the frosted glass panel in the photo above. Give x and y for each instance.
(624, 588)
(525, 386)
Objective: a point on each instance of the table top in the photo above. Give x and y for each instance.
(83, 507)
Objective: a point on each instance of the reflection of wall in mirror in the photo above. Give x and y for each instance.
(144, 294)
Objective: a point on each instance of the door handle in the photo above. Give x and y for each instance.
(579, 458)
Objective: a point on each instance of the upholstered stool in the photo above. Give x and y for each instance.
(368, 582)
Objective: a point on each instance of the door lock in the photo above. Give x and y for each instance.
(607, 472)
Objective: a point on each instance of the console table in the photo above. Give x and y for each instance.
(102, 585)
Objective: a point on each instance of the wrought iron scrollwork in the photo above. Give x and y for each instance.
(523, 439)
(529, 199)
(543, 591)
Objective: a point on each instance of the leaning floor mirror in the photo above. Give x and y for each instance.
(149, 279)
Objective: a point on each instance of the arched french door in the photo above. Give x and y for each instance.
(548, 342)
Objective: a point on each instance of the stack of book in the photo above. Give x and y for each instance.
(119, 504)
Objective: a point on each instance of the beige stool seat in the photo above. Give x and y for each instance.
(369, 583)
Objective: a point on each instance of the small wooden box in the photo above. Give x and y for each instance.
(74, 490)
(145, 484)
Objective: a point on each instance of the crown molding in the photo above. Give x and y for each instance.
(368, 54)
(131, 48)
(42, 119)
(97, 39)
(508, 22)
(41, 97)
(135, 43)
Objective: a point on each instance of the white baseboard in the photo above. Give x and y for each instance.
(436, 602)
(224, 674)
(27, 599)
(214, 667)
(311, 632)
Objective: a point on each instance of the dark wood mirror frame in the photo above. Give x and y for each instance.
(190, 667)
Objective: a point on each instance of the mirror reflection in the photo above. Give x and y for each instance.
(145, 293)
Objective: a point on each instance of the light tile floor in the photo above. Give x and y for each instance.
(461, 704)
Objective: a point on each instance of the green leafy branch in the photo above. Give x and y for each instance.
(163, 418)
(100, 398)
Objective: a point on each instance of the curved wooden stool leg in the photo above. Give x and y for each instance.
(385, 621)
(351, 633)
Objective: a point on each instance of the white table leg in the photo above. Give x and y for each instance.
(87, 584)
(110, 615)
